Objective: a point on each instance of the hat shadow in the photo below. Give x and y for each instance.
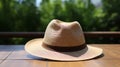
(100, 56)
(76, 53)
(73, 54)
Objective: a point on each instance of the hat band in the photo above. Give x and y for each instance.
(65, 49)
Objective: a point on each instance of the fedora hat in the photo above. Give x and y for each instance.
(63, 41)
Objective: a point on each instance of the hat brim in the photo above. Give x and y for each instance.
(34, 47)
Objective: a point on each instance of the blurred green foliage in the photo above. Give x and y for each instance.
(25, 16)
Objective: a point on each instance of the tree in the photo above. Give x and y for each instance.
(111, 8)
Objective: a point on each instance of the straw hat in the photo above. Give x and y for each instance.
(63, 41)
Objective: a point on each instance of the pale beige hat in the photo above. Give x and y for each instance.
(63, 41)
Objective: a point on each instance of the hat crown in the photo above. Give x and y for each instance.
(64, 34)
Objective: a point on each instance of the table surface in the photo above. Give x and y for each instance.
(16, 56)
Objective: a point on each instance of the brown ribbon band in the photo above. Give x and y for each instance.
(65, 49)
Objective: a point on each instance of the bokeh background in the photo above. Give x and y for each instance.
(34, 16)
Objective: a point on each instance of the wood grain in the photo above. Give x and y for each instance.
(74, 64)
(1, 61)
(16, 56)
(20, 53)
(111, 51)
(90, 63)
(5, 50)
(23, 63)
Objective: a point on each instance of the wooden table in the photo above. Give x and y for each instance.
(15, 56)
